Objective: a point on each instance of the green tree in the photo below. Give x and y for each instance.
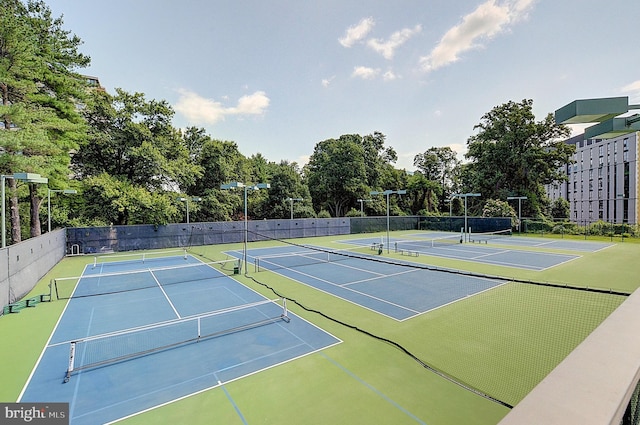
(497, 208)
(560, 208)
(423, 193)
(336, 174)
(39, 89)
(439, 164)
(133, 138)
(346, 169)
(286, 183)
(133, 148)
(117, 200)
(514, 153)
(221, 163)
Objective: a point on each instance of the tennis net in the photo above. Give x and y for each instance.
(142, 257)
(114, 347)
(417, 245)
(309, 256)
(132, 280)
(487, 236)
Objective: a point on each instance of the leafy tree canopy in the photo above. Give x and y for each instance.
(513, 154)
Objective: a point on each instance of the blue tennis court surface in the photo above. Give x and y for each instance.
(210, 329)
(448, 246)
(394, 290)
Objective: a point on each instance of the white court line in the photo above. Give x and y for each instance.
(165, 294)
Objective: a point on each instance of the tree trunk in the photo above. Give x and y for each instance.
(15, 211)
(36, 230)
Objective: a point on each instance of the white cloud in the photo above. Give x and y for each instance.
(357, 32)
(326, 82)
(365, 73)
(198, 109)
(633, 90)
(387, 48)
(253, 104)
(488, 20)
(390, 76)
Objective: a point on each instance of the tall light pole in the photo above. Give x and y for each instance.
(465, 196)
(362, 201)
(49, 192)
(25, 177)
(291, 200)
(519, 198)
(233, 185)
(192, 199)
(387, 193)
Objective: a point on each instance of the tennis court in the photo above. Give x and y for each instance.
(139, 334)
(396, 290)
(449, 246)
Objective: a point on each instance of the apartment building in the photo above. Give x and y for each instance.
(602, 183)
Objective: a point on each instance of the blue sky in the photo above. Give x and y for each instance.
(277, 77)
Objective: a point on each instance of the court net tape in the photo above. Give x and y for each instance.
(114, 347)
(308, 256)
(487, 236)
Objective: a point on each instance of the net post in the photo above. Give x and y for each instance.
(199, 329)
(285, 312)
(72, 355)
(256, 264)
(55, 283)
